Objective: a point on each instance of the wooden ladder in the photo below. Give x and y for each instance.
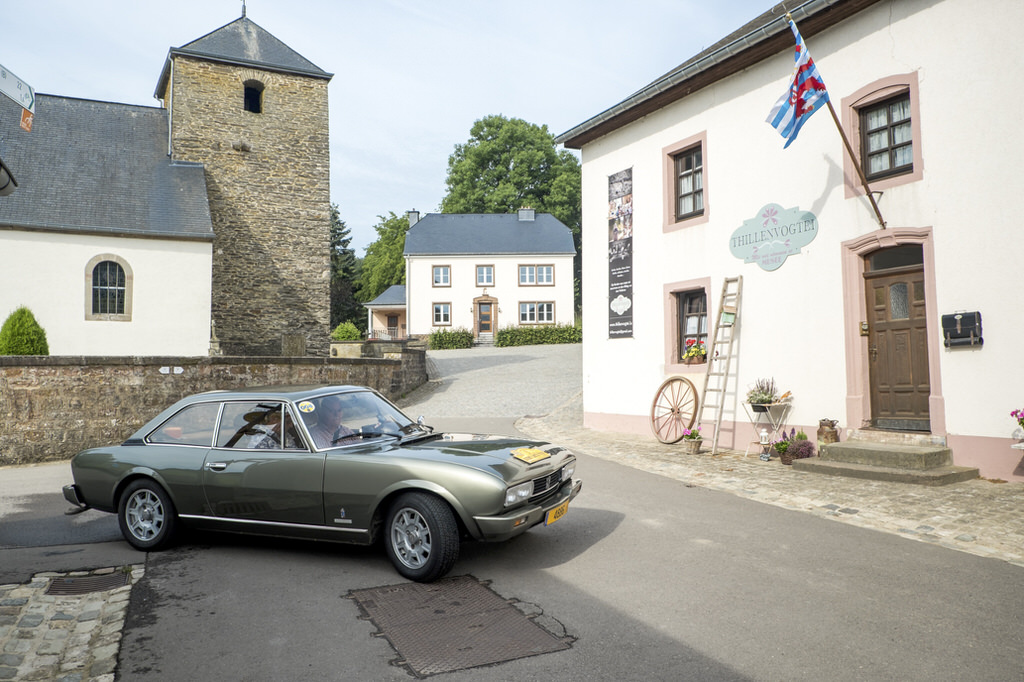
(720, 353)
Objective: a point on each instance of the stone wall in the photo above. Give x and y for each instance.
(268, 180)
(54, 407)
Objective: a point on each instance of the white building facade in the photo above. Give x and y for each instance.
(485, 272)
(143, 311)
(842, 312)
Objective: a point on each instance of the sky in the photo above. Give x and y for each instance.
(410, 77)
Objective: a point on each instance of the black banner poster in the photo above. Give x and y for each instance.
(620, 254)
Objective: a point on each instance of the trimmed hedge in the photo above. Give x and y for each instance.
(22, 335)
(541, 334)
(447, 339)
(346, 331)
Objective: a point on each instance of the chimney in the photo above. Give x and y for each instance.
(413, 216)
(526, 215)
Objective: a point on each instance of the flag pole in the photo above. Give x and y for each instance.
(856, 164)
(849, 149)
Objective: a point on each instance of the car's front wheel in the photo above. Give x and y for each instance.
(146, 515)
(422, 537)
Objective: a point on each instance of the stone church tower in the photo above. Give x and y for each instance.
(254, 113)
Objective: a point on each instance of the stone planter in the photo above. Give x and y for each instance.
(691, 446)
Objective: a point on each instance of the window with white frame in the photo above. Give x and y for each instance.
(442, 276)
(536, 275)
(442, 314)
(533, 312)
(485, 275)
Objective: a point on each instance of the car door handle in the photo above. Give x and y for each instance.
(216, 466)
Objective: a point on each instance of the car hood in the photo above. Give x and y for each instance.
(507, 457)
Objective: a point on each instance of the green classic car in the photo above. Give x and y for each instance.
(337, 463)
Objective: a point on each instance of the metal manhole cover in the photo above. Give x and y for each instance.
(453, 624)
(87, 583)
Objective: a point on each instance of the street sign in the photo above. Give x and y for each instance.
(18, 90)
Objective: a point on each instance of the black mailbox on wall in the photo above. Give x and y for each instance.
(962, 329)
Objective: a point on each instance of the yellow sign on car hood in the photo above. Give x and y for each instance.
(529, 455)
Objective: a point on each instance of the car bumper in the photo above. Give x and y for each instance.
(498, 528)
(71, 495)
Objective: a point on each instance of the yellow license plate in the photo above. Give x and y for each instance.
(556, 513)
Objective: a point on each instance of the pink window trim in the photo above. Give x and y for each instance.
(866, 96)
(669, 182)
(672, 365)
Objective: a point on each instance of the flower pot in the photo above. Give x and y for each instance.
(691, 446)
(786, 458)
(699, 360)
(759, 407)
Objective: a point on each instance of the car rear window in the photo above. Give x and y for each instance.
(194, 425)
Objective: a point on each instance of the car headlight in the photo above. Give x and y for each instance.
(568, 470)
(518, 493)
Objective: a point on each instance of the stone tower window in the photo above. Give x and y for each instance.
(254, 96)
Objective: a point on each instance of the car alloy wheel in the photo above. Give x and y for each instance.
(146, 515)
(422, 537)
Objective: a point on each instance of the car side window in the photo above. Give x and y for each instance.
(258, 425)
(194, 425)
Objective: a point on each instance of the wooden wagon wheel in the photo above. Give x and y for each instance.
(674, 409)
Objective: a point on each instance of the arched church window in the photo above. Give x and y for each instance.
(108, 294)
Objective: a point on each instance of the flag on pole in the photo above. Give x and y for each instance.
(806, 94)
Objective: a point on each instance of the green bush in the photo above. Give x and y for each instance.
(447, 339)
(22, 335)
(541, 334)
(346, 331)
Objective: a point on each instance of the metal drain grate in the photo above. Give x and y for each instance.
(87, 583)
(453, 624)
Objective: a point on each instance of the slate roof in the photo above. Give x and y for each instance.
(245, 43)
(488, 234)
(394, 295)
(99, 167)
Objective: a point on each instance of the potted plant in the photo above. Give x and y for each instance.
(762, 393)
(692, 440)
(696, 352)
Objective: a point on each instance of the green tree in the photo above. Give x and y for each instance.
(384, 264)
(22, 335)
(344, 273)
(508, 164)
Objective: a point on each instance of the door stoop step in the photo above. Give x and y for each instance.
(894, 457)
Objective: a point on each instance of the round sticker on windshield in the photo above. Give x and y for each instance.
(306, 406)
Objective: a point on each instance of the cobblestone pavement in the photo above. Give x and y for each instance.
(69, 638)
(76, 638)
(980, 517)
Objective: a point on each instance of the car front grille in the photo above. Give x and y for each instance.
(545, 484)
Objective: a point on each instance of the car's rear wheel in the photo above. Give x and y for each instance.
(146, 515)
(422, 537)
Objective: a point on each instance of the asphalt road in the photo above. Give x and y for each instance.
(655, 580)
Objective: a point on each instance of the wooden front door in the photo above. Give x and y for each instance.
(898, 348)
(484, 315)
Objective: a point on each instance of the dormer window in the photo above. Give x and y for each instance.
(254, 96)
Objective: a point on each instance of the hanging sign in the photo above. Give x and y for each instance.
(620, 254)
(773, 236)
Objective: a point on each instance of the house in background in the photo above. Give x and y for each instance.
(844, 312)
(480, 271)
(135, 229)
(387, 315)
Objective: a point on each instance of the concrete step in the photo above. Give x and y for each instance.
(943, 475)
(897, 457)
(892, 455)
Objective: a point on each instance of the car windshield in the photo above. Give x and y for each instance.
(346, 418)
